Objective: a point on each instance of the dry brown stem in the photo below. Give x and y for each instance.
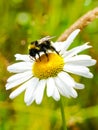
(80, 23)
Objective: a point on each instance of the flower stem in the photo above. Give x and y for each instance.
(63, 115)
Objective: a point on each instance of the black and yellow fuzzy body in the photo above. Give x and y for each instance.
(42, 45)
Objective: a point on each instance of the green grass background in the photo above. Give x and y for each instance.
(22, 21)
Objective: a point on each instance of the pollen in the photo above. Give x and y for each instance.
(45, 67)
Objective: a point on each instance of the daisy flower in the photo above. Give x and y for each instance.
(53, 74)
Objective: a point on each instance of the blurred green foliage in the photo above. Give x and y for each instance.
(22, 21)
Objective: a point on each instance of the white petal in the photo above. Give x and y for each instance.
(58, 46)
(79, 70)
(18, 91)
(20, 67)
(19, 76)
(56, 94)
(79, 86)
(76, 50)
(62, 46)
(23, 57)
(32, 85)
(69, 40)
(69, 83)
(83, 60)
(61, 87)
(17, 82)
(67, 78)
(52, 90)
(64, 89)
(40, 91)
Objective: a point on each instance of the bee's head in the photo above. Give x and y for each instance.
(32, 52)
(34, 43)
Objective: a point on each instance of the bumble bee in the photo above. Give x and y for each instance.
(42, 45)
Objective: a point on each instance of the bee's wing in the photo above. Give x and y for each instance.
(45, 39)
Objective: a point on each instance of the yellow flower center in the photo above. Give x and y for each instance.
(48, 67)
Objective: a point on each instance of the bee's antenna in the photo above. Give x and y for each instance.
(32, 58)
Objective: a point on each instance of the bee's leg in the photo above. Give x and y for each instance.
(54, 49)
(35, 59)
(46, 56)
(39, 56)
(44, 50)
